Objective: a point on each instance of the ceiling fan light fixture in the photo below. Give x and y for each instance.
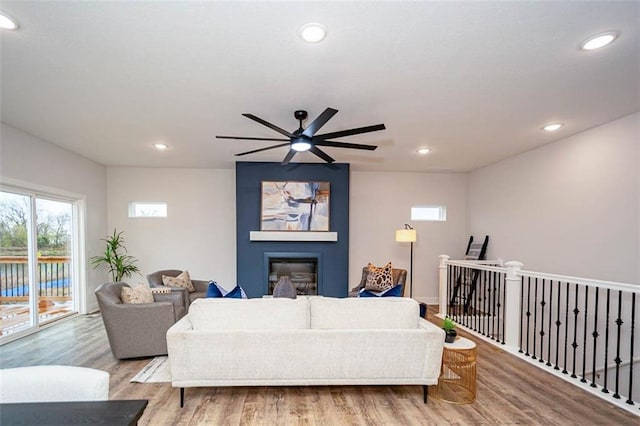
(599, 40)
(7, 22)
(552, 127)
(313, 32)
(301, 146)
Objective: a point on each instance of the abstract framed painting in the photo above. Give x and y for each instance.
(295, 206)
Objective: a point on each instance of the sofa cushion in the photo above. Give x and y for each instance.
(249, 314)
(364, 313)
(183, 280)
(379, 279)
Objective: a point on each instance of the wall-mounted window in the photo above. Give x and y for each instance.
(144, 209)
(432, 213)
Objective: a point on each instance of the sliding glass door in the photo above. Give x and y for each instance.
(37, 266)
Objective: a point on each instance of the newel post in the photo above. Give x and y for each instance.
(443, 284)
(513, 291)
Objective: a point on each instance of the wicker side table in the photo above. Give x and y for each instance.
(457, 381)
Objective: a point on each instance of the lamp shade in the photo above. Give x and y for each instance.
(406, 235)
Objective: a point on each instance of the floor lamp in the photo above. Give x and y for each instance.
(408, 235)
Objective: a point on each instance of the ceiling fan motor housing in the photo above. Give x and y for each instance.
(300, 114)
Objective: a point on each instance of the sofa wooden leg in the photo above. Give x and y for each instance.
(425, 391)
(181, 397)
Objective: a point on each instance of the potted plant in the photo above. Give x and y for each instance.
(115, 258)
(449, 327)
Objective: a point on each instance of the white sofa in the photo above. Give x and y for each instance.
(304, 341)
(53, 383)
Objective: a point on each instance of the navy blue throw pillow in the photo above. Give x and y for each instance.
(213, 290)
(392, 292)
(236, 293)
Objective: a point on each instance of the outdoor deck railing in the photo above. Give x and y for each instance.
(582, 330)
(53, 277)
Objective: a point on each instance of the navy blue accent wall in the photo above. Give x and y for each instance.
(251, 271)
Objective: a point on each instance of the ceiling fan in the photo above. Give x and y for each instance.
(305, 139)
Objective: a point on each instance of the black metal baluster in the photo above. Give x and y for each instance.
(542, 304)
(485, 300)
(57, 281)
(494, 316)
(535, 317)
(528, 312)
(595, 341)
(550, 322)
(574, 345)
(498, 307)
(584, 335)
(449, 304)
(566, 331)
(633, 326)
(606, 344)
(617, 360)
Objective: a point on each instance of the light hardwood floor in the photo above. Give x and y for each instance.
(510, 391)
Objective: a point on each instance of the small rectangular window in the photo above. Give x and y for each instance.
(432, 213)
(140, 209)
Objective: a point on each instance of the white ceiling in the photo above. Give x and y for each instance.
(474, 81)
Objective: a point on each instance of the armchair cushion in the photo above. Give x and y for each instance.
(183, 280)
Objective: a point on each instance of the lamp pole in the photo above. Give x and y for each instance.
(411, 272)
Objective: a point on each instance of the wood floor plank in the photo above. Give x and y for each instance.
(509, 391)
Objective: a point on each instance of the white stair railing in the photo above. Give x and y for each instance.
(582, 330)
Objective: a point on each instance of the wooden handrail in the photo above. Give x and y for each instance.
(41, 259)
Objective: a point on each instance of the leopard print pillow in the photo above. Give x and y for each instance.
(183, 280)
(379, 279)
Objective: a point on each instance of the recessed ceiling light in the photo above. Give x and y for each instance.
(552, 127)
(313, 32)
(160, 146)
(599, 40)
(424, 151)
(7, 22)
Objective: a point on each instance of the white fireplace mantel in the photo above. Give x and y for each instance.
(292, 236)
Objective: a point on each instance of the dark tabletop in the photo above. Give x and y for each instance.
(115, 412)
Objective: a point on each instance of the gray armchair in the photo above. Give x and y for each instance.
(137, 330)
(399, 277)
(201, 286)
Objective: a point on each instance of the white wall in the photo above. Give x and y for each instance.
(35, 163)
(571, 207)
(199, 232)
(381, 203)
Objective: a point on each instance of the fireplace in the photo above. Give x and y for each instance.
(303, 269)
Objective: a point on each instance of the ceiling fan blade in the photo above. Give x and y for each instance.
(319, 122)
(337, 144)
(262, 149)
(317, 151)
(289, 156)
(269, 125)
(250, 139)
(349, 132)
